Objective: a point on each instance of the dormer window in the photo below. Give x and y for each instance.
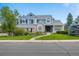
(48, 18)
(30, 14)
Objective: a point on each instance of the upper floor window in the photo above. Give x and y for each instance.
(26, 21)
(41, 21)
(48, 20)
(37, 20)
(44, 20)
(20, 20)
(31, 21)
(23, 21)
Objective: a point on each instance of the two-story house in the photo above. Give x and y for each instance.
(39, 23)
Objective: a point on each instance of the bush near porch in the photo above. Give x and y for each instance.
(58, 37)
(62, 32)
(22, 32)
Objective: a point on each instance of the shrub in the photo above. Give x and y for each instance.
(26, 33)
(62, 32)
(39, 33)
(29, 33)
(34, 33)
(19, 31)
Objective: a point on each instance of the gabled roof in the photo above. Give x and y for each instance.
(43, 16)
(30, 14)
(57, 22)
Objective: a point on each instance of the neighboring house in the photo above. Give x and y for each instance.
(74, 28)
(39, 23)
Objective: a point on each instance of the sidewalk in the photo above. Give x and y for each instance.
(40, 41)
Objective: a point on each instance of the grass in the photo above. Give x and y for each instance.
(58, 37)
(15, 37)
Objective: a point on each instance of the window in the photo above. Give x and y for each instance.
(57, 28)
(23, 21)
(31, 21)
(20, 20)
(48, 20)
(30, 14)
(26, 21)
(44, 20)
(40, 21)
(37, 20)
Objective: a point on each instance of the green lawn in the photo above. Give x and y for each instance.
(58, 37)
(15, 37)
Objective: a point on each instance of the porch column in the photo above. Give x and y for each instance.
(53, 29)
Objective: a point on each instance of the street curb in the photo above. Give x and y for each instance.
(39, 41)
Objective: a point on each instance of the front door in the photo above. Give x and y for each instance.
(48, 28)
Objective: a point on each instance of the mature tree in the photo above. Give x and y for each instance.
(69, 20)
(9, 17)
(16, 12)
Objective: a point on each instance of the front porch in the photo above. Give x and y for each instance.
(48, 28)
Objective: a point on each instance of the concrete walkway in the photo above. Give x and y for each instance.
(40, 36)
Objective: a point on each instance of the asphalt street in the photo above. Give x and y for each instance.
(39, 49)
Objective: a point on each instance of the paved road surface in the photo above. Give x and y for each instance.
(39, 49)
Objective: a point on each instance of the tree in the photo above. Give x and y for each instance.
(9, 17)
(16, 12)
(69, 20)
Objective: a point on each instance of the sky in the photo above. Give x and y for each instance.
(59, 11)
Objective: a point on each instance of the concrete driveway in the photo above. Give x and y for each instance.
(39, 49)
